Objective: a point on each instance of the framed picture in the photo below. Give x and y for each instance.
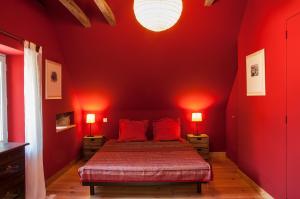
(255, 71)
(53, 80)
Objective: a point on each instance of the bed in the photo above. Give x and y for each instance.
(145, 163)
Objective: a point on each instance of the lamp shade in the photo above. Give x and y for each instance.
(90, 118)
(157, 15)
(197, 117)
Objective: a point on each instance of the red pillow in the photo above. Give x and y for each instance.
(166, 129)
(132, 130)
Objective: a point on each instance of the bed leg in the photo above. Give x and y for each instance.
(199, 187)
(92, 190)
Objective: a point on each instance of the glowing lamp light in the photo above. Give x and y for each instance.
(197, 117)
(90, 118)
(157, 15)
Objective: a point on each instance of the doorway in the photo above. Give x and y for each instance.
(293, 106)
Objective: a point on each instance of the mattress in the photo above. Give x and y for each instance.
(171, 161)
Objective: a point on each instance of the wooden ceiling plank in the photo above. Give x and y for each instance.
(76, 12)
(106, 11)
(208, 3)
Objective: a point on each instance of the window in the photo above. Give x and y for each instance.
(3, 99)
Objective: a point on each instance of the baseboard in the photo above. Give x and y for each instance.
(260, 190)
(253, 184)
(60, 172)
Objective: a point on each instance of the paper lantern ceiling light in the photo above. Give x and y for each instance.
(157, 15)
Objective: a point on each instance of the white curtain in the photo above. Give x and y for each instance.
(35, 180)
(3, 100)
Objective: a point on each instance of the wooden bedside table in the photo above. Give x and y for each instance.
(91, 145)
(200, 143)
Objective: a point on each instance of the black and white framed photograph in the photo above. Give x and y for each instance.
(255, 71)
(53, 80)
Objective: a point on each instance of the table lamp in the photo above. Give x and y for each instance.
(197, 117)
(90, 119)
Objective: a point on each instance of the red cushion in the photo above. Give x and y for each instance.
(166, 129)
(132, 130)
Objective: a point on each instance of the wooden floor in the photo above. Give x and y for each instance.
(227, 183)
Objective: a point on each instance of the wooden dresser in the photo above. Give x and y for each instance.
(91, 145)
(200, 143)
(12, 170)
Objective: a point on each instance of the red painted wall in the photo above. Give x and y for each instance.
(208, 126)
(129, 69)
(30, 21)
(232, 123)
(257, 136)
(15, 96)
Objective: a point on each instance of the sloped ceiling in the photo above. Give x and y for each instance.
(192, 65)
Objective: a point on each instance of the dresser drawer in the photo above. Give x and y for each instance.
(12, 164)
(91, 145)
(17, 183)
(93, 141)
(202, 150)
(8, 158)
(200, 145)
(14, 168)
(12, 171)
(203, 140)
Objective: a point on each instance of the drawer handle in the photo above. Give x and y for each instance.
(11, 169)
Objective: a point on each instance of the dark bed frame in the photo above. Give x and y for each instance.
(93, 184)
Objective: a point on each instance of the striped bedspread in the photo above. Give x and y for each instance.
(150, 161)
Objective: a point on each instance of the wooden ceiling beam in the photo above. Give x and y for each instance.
(76, 12)
(208, 3)
(106, 11)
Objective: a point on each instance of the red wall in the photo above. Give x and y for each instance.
(232, 124)
(256, 137)
(214, 127)
(15, 96)
(129, 69)
(30, 21)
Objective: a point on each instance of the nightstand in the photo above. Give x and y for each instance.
(200, 143)
(91, 145)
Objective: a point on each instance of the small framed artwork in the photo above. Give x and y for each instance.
(53, 80)
(255, 71)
